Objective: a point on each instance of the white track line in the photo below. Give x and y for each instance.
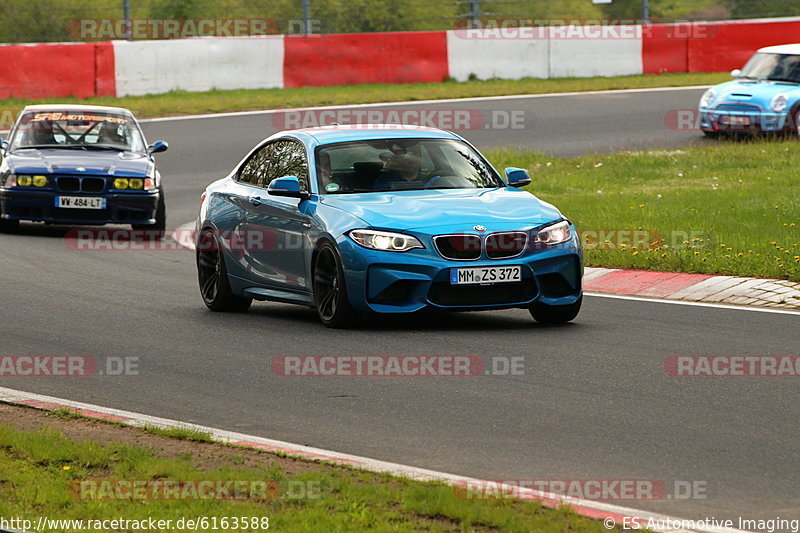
(423, 102)
(695, 304)
(590, 507)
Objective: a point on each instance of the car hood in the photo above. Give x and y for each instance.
(41, 161)
(496, 209)
(753, 92)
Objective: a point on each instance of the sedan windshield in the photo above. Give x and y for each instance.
(80, 130)
(775, 67)
(401, 165)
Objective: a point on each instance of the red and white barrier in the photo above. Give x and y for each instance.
(59, 69)
(122, 68)
(203, 64)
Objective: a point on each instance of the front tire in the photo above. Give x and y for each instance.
(555, 314)
(215, 288)
(330, 291)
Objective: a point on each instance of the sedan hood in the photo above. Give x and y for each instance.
(497, 209)
(42, 161)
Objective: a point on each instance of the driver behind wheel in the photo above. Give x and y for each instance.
(109, 134)
(402, 170)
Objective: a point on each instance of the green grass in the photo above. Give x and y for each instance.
(731, 207)
(180, 433)
(38, 471)
(181, 102)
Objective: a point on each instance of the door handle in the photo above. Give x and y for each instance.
(255, 200)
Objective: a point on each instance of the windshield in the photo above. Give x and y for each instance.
(402, 164)
(77, 130)
(776, 67)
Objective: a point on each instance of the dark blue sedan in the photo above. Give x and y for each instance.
(69, 164)
(378, 220)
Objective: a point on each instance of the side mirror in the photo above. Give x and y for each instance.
(517, 177)
(158, 146)
(287, 186)
(736, 73)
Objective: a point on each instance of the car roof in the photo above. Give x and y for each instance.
(77, 107)
(793, 49)
(344, 133)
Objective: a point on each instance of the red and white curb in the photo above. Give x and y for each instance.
(589, 508)
(770, 293)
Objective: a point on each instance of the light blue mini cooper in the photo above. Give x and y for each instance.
(764, 97)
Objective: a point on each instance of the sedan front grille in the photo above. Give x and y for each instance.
(459, 247)
(444, 294)
(738, 107)
(80, 184)
(506, 245)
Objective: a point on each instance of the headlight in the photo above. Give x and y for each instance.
(384, 240)
(778, 103)
(25, 180)
(555, 234)
(129, 183)
(708, 98)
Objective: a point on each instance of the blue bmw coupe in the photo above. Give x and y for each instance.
(70, 164)
(369, 220)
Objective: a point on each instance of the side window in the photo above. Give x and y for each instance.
(256, 167)
(289, 159)
(276, 160)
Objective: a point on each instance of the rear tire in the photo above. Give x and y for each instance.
(711, 134)
(330, 291)
(215, 287)
(555, 314)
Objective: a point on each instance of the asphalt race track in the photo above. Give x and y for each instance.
(595, 401)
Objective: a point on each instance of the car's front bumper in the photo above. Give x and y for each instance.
(121, 208)
(742, 121)
(391, 282)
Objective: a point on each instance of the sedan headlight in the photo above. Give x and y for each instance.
(384, 240)
(129, 183)
(708, 98)
(554, 234)
(778, 102)
(25, 180)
